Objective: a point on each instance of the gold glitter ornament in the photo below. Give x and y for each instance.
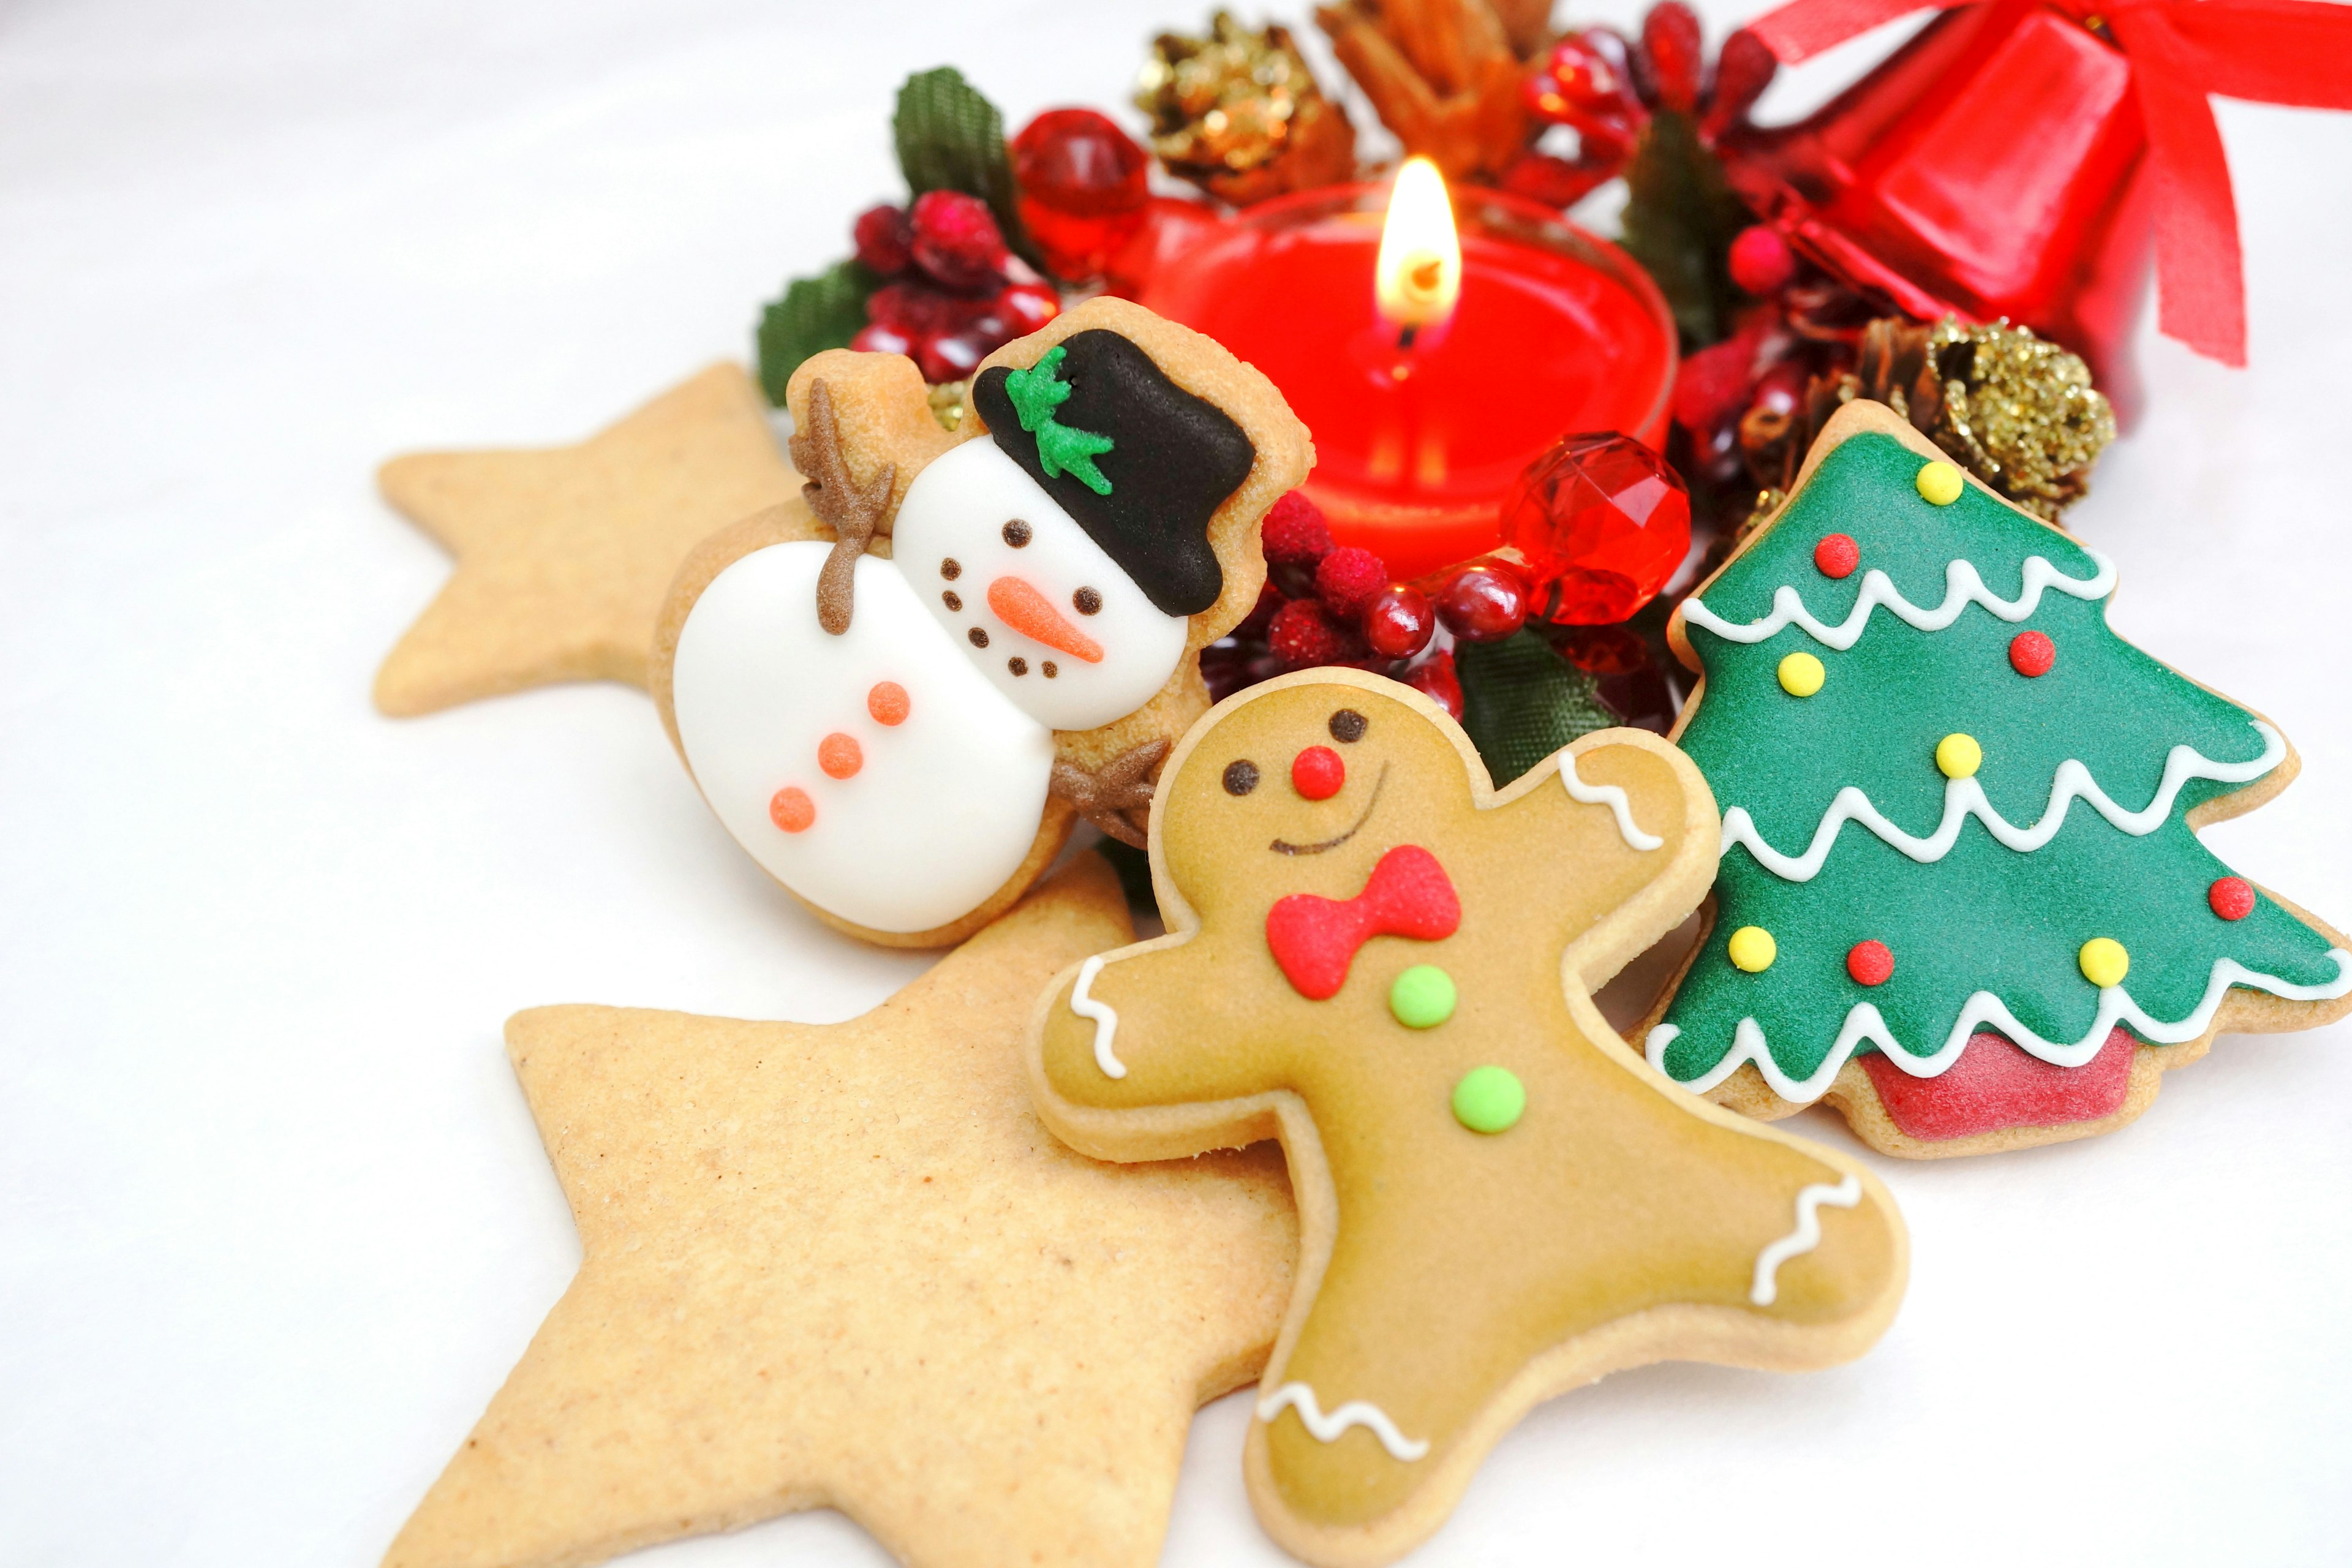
(1238, 114)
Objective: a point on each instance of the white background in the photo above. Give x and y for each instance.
(273, 1220)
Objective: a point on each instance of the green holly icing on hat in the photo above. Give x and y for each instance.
(1036, 393)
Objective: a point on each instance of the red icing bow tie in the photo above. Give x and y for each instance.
(1314, 939)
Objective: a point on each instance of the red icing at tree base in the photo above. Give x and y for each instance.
(1995, 1085)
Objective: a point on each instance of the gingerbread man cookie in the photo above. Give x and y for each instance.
(1379, 959)
(899, 721)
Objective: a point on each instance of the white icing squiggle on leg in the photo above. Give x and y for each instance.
(1106, 1020)
(1611, 796)
(1846, 1194)
(1327, 1428)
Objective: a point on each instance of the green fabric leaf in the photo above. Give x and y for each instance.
(815, 314)
(1521, 702)
(951, 138)
(1681, 216)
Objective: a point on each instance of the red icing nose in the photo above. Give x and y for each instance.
(1317, 773)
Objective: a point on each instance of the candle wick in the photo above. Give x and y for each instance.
(1405, 338)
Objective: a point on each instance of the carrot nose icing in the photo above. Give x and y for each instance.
(1020, 606)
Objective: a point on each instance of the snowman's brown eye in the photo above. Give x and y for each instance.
(1016, 534)
(1241, 777)
(951, 568)
(1087, 601)
(1348, 726)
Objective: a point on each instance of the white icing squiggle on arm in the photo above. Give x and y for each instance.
(1106, 1020)
(1611, 796)
(1962, 587)
(1355, 1413)
(1846, 1194)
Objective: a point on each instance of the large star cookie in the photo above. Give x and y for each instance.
(1390, 965)
(843, 1266)
(564, 554)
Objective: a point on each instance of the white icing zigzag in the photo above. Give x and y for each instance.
(1611, 796)
(1106, 1020)
(1964, 798)
(1846, 1194)
(1962, 587)
(1327, 1428)
(1983, 1009)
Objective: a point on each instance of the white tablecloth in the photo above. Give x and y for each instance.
(273, 1220)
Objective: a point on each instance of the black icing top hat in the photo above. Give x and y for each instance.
(1141, 463)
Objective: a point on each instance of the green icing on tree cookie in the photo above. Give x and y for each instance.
(1983, 933)
(1036, 393)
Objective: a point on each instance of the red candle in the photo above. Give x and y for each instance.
(1419, 433)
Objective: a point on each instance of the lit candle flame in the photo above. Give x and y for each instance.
(1418, 275)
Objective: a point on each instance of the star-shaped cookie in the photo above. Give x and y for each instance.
(845, 1266)
(564, 553)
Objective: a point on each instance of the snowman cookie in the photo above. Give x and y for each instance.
(898, 696)
(1378, 958)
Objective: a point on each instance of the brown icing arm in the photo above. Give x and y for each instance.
(856, 511)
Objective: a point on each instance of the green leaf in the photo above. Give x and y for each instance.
(951, 138)
(1681, 216)
(1521, 702)
(815, 313)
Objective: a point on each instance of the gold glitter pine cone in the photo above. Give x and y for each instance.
(1238, 114)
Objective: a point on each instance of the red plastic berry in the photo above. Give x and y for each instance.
(1870, 963)
(1025, 307)
(917, 309)
(952, 356)
(1604, 650)
(1780, 389)
(1317, 773)
(1347, 578)
(2031, 654)
(1084, 186)
(1762, 262)
(1484, 602)
(1714, 385)
(1434, 678)
(1260, 620)
(1602, 523)
(1399, 621)
(878, 339)
(1677, 50)
(2232, 898)
(1837, 555)
(885, 240)
(1295, 533)
(956, 242)
(1304, 634)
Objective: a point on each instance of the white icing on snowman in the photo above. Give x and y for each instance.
(1061, 629)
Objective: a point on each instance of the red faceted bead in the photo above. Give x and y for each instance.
(2232, 898)
(1483, 602)
(1084, 184)
(1603, 522)
(2031, 654)
(1870, 963)
(1399, 621)
(1435, 679)
(1317, 773)
(1837, 555)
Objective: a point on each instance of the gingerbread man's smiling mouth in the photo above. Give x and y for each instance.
(1284, 845)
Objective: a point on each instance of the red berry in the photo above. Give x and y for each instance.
(885, 240)
(1025, 307)
(916, 309)
(1762, 262)
(1303, 634)
(1780, 389)
(1581, 83)
(1255, 624)
(1485, 601)
(1837, 555)
(1677, 52)
(951, 356)
(1399, 621)
(878, 339)
(1870, 963)
(1714, 385)
(1317, 773)
(2232, 898)
(1295, 533)
(957, 241)
(2031, 654)
(1604, 650)
(1347, 577)
(1434, 678)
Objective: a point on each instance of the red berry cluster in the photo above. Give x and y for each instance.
(955, 292)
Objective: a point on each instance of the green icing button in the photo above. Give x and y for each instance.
(1422, 997)
(1489, 1100)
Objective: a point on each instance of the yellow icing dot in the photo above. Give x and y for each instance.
(2105, 963)
(1940, 483)
(1959, 757)
(1753, 949)
(1800, 675)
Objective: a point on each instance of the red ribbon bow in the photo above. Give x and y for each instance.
(2295, 52)
(1314, 939)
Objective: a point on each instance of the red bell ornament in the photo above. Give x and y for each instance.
(2021, 158)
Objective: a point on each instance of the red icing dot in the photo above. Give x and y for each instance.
(1869, 963)
(2232, 898)
(1317, 773)
(792, 809)
(1837, 555)
(887, 702)
(2031, 654)
(839, 755)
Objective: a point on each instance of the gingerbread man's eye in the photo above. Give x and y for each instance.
(1348, 726)
(1241, 777)
(1016, 534)
(1088, 602)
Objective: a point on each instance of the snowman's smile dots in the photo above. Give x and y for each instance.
(792, 810)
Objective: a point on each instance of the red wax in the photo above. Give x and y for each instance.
(1555, 332)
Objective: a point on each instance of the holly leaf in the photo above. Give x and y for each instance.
(814, 315)
(952, 137)
(1681, 215)
(1521, 702)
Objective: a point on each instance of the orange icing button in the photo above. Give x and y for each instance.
(1030, 613)
(839, 755)
(792, 809)
(887, 702)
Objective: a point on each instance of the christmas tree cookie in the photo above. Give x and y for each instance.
(1962, 897)
(1383, 961)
